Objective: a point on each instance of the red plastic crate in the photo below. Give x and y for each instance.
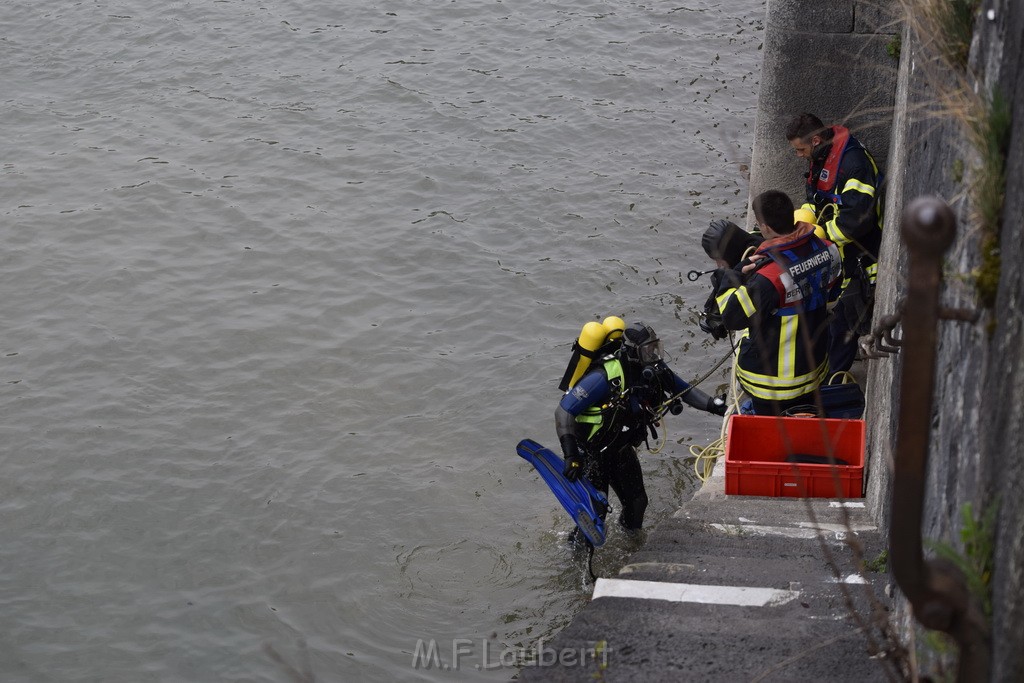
(756, 449)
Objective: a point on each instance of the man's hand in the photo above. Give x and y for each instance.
(717, 405)
(753, 263)
(573, 459)
(573, 469)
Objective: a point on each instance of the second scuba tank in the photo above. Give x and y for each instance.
(596, 338)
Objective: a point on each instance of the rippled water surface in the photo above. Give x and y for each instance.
(283, 285)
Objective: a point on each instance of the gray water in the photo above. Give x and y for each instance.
(284, 284)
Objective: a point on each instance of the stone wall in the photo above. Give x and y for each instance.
(998, 54)
(978, 404)
(829, 57)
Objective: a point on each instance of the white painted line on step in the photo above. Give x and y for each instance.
(824, 526)
(670, 567)
(760, 530)
(803, 530)
(742, 596)
(852, 578)
(844, 504)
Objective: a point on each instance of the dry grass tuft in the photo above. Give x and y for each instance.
(944, 30)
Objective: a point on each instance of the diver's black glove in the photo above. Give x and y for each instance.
(711, 323)
(573, 458)
(573, 469)
(717, 405)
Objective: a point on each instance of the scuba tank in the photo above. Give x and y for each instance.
(807, 216)
(596, 339)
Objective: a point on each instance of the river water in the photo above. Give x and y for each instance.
(284, 284)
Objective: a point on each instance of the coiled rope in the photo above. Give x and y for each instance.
(705, 457)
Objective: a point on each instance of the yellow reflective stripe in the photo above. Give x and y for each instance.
(722, 298)
(777, 395)
(777, 381)
(872, 272)
(854, 184)
(782, 382)
(594, 415)
(742, 297)
(775, 390)
(787, 345)
(832, 226)
(835, 234)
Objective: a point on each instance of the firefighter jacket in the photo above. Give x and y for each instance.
(782, 308)
(844, 174)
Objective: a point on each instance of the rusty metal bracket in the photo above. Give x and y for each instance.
(880, 342)
(936, 589)
(967, 315)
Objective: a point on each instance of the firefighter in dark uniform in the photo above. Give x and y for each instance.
(779, 298)
(844, 191)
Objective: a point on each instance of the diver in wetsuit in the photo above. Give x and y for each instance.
(602, 419)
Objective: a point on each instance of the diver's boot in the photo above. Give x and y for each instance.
(633, 533)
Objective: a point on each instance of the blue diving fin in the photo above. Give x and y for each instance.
(584, 503)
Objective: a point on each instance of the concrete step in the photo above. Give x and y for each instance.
(681, 538)
(731, 570)
(664, 641)
(736, 588)
(779, 511)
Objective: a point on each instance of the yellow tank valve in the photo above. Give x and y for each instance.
(614, 326)
(807, 216)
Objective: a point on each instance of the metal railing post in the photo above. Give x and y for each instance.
(935, 588)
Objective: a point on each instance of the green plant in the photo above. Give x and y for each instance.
(878, 565)
(977, 536)
(894, 46)
(958, 170)
(601, 656)
(991, 136)
(986, 276)
(939, 650)
(955, 21)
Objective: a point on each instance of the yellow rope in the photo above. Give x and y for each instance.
(664, 439)
(821, 214)
(706, 456)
